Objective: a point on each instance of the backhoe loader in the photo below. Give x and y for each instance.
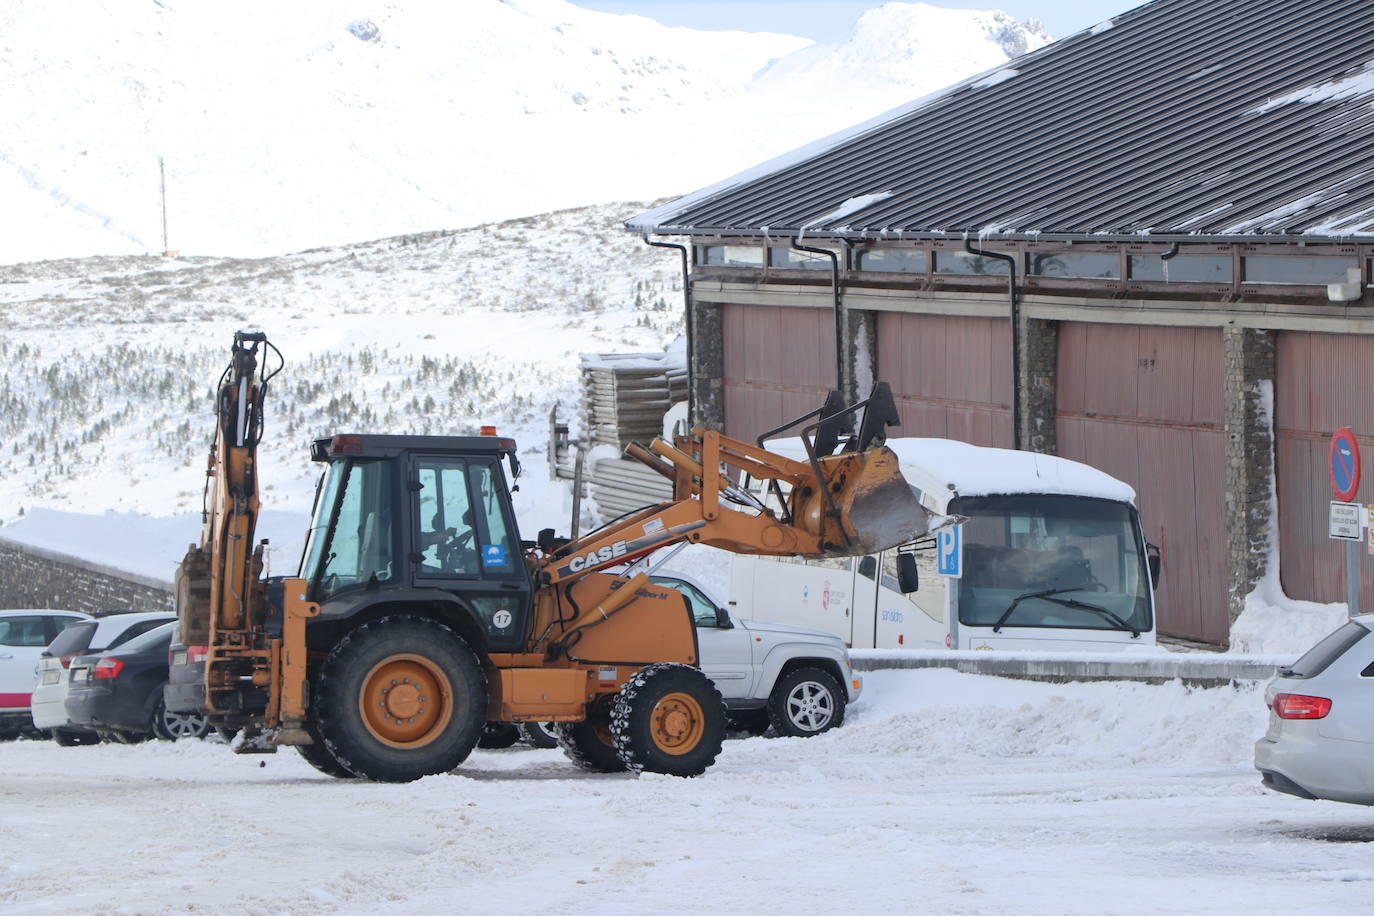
(419, 615)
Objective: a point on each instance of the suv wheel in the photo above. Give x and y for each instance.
(806, 702)
(173, 726)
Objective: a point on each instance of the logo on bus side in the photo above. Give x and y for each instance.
(600, 555)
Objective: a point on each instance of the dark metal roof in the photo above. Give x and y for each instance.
(1196, 118)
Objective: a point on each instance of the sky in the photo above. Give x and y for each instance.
(830, 20)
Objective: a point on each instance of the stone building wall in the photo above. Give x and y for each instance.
(1249, 460)
(31, 577)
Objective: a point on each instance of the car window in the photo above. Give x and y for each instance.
(74, 640)
(151, 640)
(60, 624)
(138, 629)
(703, 610)
(1318, 658)
(23, 631)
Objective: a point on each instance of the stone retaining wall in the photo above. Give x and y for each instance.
(32, 577)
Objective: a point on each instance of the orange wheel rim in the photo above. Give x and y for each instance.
(406, 701)
(677, 723)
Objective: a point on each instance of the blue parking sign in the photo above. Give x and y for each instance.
(949, 551)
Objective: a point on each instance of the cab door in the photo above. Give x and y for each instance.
(463, 540)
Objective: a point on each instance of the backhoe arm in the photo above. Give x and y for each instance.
(221, 597)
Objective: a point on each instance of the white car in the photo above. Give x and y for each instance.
(796, 679)
(1320, 742)
(82, 638)
(24, 634)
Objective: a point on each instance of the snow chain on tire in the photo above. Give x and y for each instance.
(670, 719)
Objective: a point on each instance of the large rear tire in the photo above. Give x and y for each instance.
(669, 719)
(589, 743)
(400, 698)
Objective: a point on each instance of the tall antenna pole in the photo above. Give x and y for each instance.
(162, 172)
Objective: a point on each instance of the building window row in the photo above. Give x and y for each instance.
(1214, 267)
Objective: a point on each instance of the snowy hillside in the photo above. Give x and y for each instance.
(318, 122)
(107, 364)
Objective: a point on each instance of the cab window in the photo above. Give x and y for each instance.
(447, 536)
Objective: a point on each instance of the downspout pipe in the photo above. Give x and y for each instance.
(1012, 295)
(841, 375)
(685, 252)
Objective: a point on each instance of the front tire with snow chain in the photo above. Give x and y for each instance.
(589, 743)
(400, 698)
(669, 719)
(806, 702)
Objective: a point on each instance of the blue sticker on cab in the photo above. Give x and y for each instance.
(493, 555)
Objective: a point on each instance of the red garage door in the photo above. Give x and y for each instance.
(1322, 382)
(951, 375)
(1145, 404)
(779, 364)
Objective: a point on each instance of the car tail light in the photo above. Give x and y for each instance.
(1298, 706)
(66, 660)
(196, 654)
(108, 668)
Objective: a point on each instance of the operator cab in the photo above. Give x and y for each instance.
(419, 518)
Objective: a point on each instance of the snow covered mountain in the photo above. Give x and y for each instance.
(284, 126)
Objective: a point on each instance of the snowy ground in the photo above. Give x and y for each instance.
(943, 793)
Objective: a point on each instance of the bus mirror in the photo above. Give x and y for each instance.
(1153, 561)
(908, 578)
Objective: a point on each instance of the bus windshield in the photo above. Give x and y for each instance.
(1052, 561)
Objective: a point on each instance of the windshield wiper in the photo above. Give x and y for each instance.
(1048, 595)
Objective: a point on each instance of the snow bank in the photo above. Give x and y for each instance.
(947, 714)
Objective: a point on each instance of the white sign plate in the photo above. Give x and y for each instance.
(1345, 520)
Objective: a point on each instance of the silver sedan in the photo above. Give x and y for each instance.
(1320, 742)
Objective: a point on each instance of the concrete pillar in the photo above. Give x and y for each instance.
(1249, 428)
(708, 365)
(1039, 378)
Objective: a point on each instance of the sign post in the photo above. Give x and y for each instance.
(1347, 517)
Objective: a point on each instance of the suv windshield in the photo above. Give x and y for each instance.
(1052, 561)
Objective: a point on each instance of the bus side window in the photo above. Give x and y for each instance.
(868, 567)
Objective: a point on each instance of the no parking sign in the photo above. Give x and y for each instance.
(1344, 464)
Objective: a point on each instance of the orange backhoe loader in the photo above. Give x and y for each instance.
(419, 615)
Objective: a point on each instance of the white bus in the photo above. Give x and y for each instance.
(1053, 558)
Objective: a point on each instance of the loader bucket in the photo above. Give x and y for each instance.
(877, 508)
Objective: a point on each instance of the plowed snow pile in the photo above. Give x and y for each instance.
(942, 793)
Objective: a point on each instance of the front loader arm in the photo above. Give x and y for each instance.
(851, 503)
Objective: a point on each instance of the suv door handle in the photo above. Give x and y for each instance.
(3, 655)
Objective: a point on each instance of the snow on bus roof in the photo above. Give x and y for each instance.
(950, 468)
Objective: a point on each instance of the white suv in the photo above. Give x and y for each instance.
(797, 679)
(23, 637)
